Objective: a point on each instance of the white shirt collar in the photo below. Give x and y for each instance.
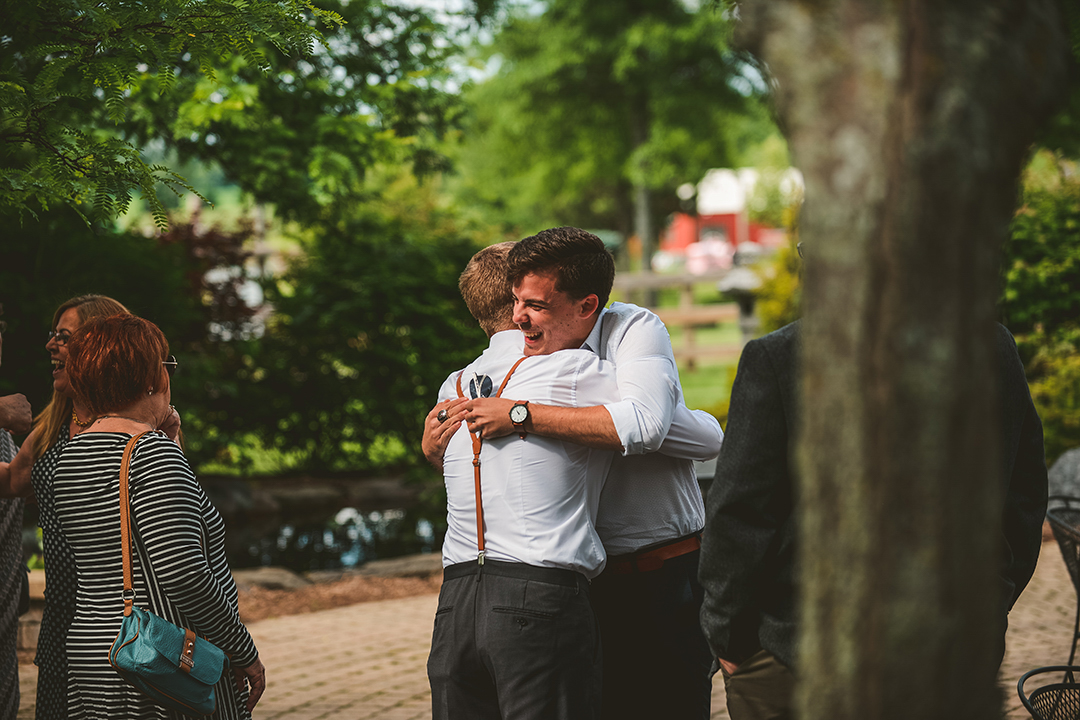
(592, 342)
(507, 341)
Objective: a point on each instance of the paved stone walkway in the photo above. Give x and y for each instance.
(1040, 627)
(367, 662)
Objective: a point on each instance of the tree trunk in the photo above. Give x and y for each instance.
(910, 121)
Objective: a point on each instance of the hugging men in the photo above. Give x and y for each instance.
(514, 635)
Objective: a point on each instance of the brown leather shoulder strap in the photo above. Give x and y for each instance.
(502, 387)
(507, 378)
(125, 523)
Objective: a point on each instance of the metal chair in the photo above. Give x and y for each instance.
(1064, 515)
(1055, 701)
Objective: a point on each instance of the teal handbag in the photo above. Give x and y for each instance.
(167, 663)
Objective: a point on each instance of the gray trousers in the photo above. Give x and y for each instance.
(514, 642)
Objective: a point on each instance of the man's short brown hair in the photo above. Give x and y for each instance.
(486, 288)
(581, 264)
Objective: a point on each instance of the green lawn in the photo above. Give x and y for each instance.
(707, 386)
(709, 383)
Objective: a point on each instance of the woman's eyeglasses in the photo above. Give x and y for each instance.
(62, 336)
(170, 364)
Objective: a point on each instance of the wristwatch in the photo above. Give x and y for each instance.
(518, 415)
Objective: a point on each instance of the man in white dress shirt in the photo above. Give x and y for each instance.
(656, 659)
(515, 636)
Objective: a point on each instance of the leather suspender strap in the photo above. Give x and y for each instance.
(507, 378)
(125, 524)
(477, 445)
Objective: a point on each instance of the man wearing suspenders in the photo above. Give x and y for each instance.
(655, 660)
(514, 633)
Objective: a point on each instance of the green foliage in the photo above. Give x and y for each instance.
(1062, 132)
(37, 560)
(1042, 257)
(368, 325)
(780, 295)
(302, 133)
(708, 388)
(1040, 300)
(69, 68)
(769, 204)
(63, 258)
(1054, 379)
(588, 98)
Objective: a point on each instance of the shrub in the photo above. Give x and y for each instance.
(1054, 379)
(778, 299)
(1040, 299)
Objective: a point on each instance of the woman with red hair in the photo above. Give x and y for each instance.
(30, 473)
(119, 369)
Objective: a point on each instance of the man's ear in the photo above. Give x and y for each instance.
(589, 305)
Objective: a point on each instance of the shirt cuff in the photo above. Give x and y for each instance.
(624, 416)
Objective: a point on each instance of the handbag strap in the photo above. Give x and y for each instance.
(125, 523)
(477, 445)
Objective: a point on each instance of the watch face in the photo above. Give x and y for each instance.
(518, 413)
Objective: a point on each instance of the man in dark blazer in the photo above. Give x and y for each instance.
(748, 546)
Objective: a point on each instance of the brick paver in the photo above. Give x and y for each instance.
(363, 661)
(368, 661)
(1040, 626)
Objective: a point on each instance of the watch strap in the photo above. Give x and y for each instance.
(520, 425)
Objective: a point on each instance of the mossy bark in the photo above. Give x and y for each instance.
(910, 121)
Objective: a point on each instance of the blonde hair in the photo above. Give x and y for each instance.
(58, 412)
(486, 288)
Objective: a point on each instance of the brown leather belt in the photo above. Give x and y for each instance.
(653, 559)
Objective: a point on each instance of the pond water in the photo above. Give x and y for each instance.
(346, 539)
(305, 539)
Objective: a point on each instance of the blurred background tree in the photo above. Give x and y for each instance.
(68, 71)
(593, 113)
(312, 144)
(368, 322)
(301, 132)
(367, 148)
(1040, 300)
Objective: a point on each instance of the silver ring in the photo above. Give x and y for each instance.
(442, 416)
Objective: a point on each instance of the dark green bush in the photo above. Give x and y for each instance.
(1040, 301)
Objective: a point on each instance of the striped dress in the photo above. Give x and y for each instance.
(174, 577)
